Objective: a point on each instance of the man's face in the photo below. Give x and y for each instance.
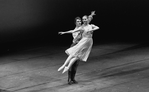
(78, 22)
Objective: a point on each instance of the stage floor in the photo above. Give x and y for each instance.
(110, 68)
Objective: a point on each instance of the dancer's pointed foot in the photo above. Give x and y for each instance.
(65, 69)
(61, 68)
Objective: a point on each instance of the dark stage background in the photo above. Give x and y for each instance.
(31, 23)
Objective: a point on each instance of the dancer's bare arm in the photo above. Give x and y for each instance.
(90, 17)
(65, 32)
(71, 31)
(94, 27)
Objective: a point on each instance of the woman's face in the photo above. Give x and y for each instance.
(85, 20)
(78, 22)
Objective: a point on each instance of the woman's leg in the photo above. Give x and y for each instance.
(70, 64)
(66, 62)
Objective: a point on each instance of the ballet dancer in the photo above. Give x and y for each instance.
(76, 38)
(82, 49)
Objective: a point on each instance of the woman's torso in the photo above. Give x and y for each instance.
(87, 31)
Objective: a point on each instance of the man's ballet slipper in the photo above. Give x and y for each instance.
(65, 69)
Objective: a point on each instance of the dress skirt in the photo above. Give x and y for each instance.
(82, 49)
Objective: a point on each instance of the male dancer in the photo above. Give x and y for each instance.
(76, 39)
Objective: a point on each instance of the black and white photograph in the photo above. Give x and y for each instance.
(74, 46)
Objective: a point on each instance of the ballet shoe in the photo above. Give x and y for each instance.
(65, 69)
(60, 68)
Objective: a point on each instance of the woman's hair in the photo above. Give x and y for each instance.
(85, 16)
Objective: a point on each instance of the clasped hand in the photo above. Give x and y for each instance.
(61, 33)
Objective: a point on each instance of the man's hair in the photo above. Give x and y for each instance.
(77, 18)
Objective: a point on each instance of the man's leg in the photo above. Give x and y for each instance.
(70, 74)
(74, 69)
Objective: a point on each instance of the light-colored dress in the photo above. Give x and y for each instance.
(83, 48)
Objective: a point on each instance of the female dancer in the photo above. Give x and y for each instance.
(82, 49)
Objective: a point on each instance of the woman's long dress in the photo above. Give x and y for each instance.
(83, 48)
